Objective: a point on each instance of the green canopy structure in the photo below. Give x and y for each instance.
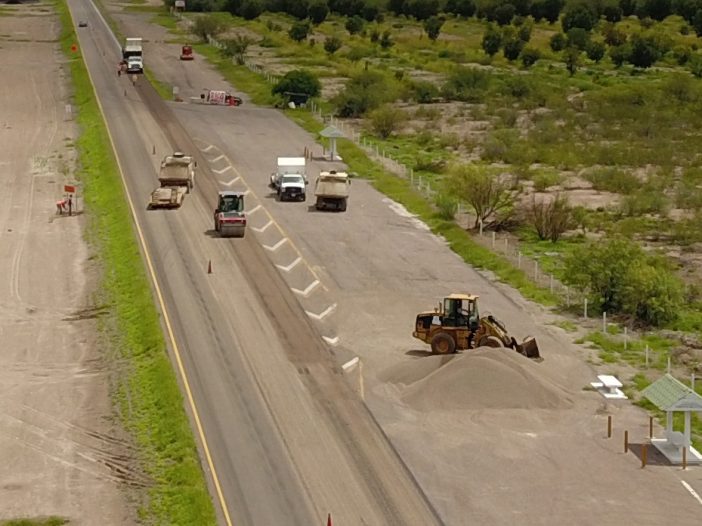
(670, 395)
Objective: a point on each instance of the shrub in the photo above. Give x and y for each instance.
(236, 47)
(298, 81)
(513, 48)
(621, 278)
(332, 44)
(613, 36)
(578, 15)
(492, 40)
(207, 26)
(317, 11)
(447, 206)
(299, 30)
(695, 65)
(578, 38)
(424, 91)
(432, 27)
(363, 92)
(385, 121)
(644, 52)
(467, 84)
(558, 42)
(354, 25)
(464, 8)
(595, 51)
(612, 180)
(682, 54)
(386, 40)
(550, 218)
(251, 9)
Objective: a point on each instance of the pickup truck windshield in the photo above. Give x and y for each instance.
(291, 179)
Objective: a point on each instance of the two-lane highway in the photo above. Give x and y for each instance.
(287, 436)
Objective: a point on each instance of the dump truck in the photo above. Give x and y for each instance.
(456, 325)
(332, 190)
(229, 216)
(176, 177)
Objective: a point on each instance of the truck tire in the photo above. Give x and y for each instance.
(304, 197)
(443, 343)
(490, 341)
(342, 205)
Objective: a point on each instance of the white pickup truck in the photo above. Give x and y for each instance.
(290, 179)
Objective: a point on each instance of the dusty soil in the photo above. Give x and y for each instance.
(60, 451)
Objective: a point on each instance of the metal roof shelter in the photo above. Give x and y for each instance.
(332, 133)
(670, 395)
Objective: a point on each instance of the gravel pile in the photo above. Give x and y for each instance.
(484, 378)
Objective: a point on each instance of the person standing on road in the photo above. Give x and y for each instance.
(70, 205)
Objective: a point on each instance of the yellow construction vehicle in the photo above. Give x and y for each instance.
(456, 325)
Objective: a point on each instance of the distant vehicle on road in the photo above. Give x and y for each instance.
(186, 53)
(229, 216)
(133, 54)
(82, 23)
(290, 178)
(176, 177)
(332, 191)
(210, 96)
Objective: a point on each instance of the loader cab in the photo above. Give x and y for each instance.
(461, 310)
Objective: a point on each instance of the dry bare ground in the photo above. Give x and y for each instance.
(60, 452)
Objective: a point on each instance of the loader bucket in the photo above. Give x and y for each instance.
(529, 348)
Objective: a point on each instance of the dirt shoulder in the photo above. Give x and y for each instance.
(61, 453)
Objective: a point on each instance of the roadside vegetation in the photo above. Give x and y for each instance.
(48, 521)
(145, 391)
(570, 126)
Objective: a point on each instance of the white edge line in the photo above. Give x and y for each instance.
(323, 314)
(289, 267)
(692, 491)
(276, 246)
(309, 288)
(264, 227)
(351, 362)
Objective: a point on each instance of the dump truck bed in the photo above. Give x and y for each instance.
(331, 187)
(168, 196)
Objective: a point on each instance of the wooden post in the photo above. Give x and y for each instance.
(609, 426)
(644, 454)
(650, 427)
(626, 441)
(684, 456)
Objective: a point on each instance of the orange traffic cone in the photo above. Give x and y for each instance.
(329, 523)
(209, 267)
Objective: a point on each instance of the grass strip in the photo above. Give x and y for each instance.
(48, 521)
(146, 396)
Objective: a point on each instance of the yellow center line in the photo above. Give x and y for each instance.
(166, 318)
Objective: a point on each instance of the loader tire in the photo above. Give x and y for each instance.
(490, 341)
(442, 343)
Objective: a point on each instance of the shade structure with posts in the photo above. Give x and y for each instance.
(332, 133)
(670, 395)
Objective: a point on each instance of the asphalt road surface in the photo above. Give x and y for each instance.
(289, 438)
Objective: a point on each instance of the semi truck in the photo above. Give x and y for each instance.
(132, 55)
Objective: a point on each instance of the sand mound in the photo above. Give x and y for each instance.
(481, 379)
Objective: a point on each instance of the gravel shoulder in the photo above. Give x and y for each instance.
(61, 452)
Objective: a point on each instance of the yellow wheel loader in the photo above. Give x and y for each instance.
(456, 325)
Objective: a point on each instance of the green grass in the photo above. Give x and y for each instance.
(48, 521)
(164, 90)
(146, 393)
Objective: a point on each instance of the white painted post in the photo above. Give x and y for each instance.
(567, 296)
(480, 223)
(493, 239)
(506, 242)
(419, 183)
(604, 322)
(519, 259)
(646, 356)
(551, 283)
(536, 270)
(625, 339)
(668, 363)
(585, 309)
(692, 381)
